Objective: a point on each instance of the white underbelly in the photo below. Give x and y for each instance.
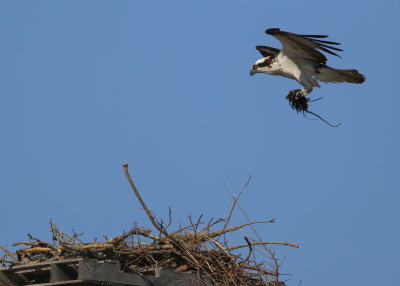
(288, 68)
(292, 70)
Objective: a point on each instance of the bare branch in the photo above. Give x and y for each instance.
(8, 253)
(263, 243)
(220, 232)
(139, 197)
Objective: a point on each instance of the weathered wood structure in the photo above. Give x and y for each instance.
(86, 272)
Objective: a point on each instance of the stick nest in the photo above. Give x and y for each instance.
(200, 247)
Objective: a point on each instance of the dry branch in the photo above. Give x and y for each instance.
(262, 243)
(8, 253)
(205, 251)
(139, 197)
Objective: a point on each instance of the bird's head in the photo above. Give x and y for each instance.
(262, 65)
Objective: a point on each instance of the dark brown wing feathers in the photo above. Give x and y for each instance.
(321, 44)
(321, 47)
(267, 51)
(329, 47)
(326, 42)
(315, 36)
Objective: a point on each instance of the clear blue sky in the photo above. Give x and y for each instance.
(165, 86)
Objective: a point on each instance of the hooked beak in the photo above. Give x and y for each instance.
(252, 72)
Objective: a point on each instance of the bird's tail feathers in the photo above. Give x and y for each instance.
(327, 74)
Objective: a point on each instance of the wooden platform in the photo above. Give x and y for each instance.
(86, 272)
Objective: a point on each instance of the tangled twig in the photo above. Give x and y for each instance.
(319, 117)
(205, 251)
(299, 103)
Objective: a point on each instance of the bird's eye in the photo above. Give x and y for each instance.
(254, 66)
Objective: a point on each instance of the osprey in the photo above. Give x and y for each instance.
(300, 60)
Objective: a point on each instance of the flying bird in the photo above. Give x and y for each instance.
(299, 59)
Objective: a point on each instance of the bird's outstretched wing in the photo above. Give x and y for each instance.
(297, 46)
(267, 51)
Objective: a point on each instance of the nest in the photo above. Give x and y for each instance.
(200, 247)
(297, 101)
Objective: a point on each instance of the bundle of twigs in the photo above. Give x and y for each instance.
(200, 247)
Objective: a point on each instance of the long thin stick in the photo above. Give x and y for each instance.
(146, 209)
(235, 228)
(319, 117)
(177, 243)
(8, 253)
(263, 243)
(235, 199)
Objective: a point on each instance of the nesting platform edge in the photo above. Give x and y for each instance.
(85, 272)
